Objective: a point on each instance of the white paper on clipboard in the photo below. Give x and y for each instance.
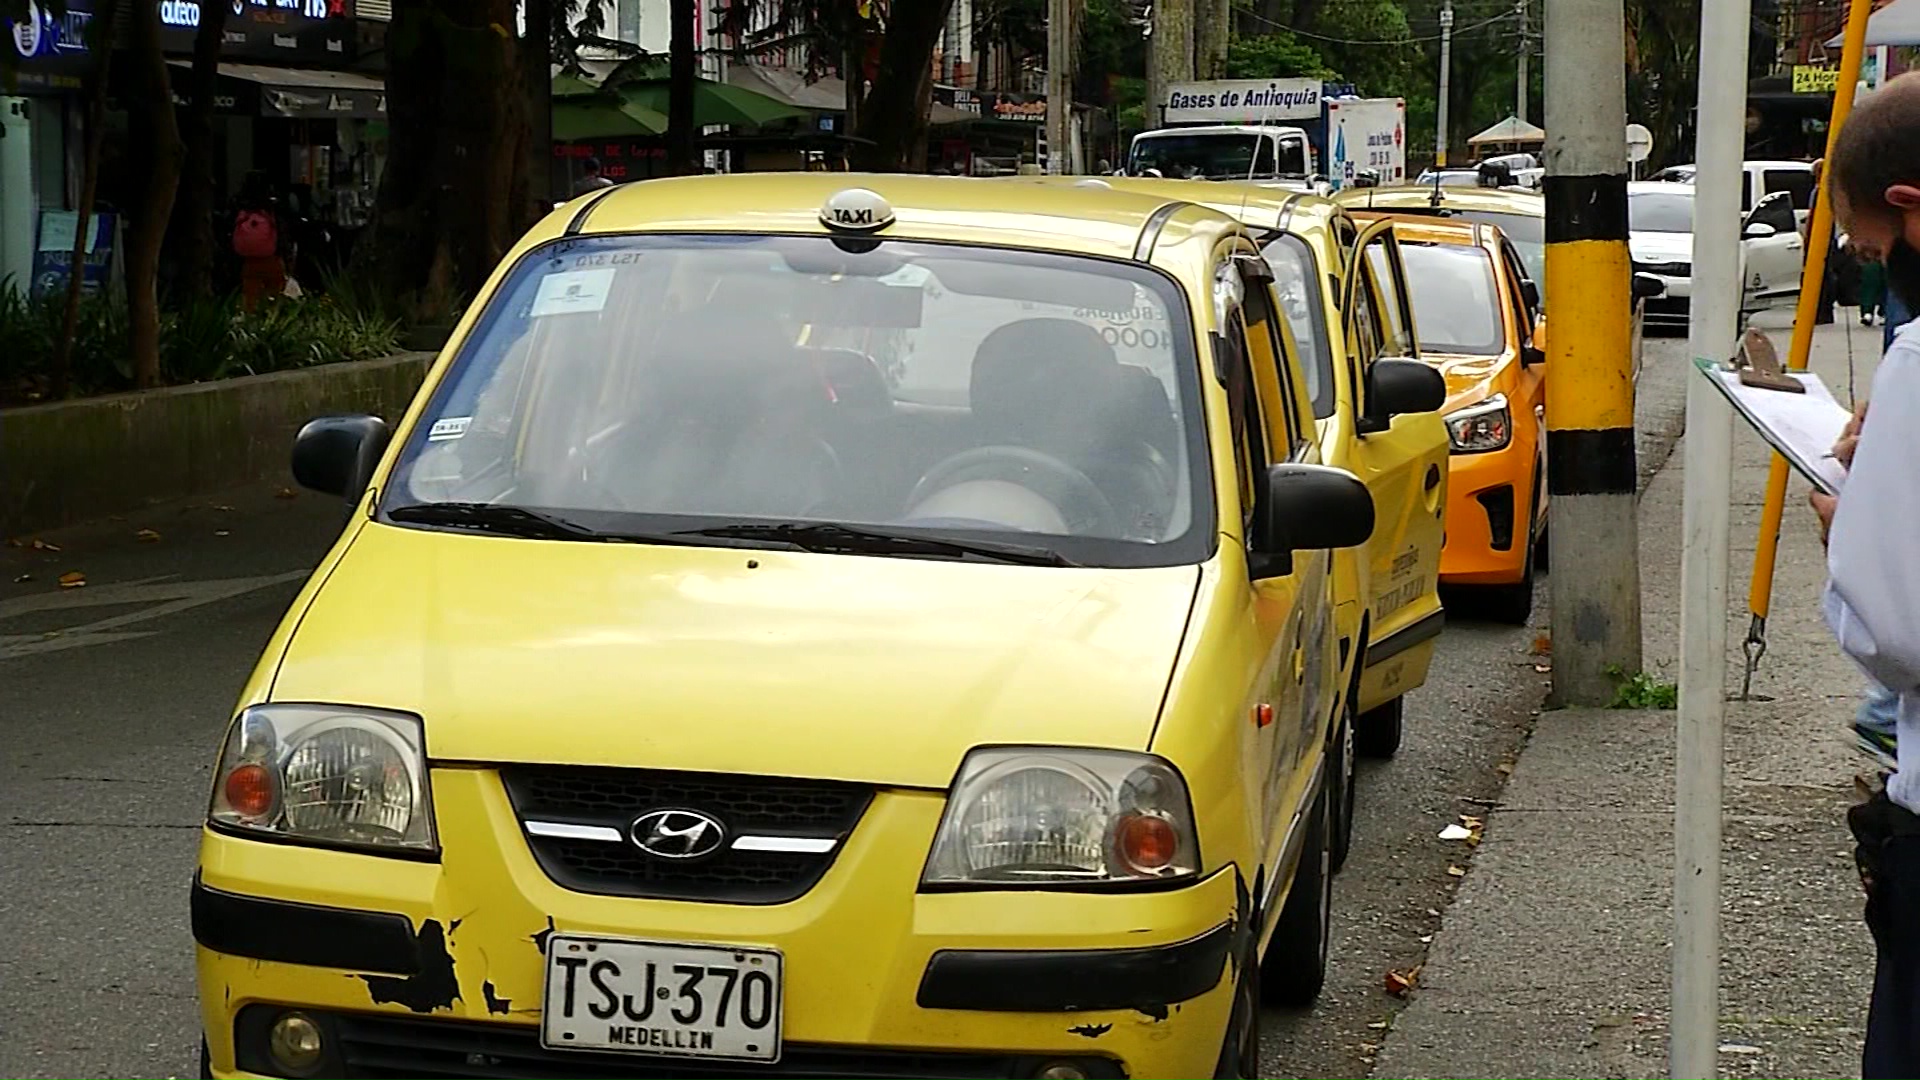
(1803, 427)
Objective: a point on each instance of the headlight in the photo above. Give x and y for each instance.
(1027, 815)
(327, 774)
(1479, 428)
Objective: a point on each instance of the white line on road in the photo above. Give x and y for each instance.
(163, 596)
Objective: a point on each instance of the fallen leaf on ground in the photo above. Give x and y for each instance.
(1505, 768)
(1378, 1025)
(1426, 939)
(42, 545)
(147, 536)
(1399, 982)
(72, 579)
(1543, 668)
(286, 493)
(1543, 645)
(1457, 871)
(1472, 822)
(23, 577)
(1456, 832)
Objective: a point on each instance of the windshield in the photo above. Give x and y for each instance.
(655, 386)
(1660, 211)
(1455, 306)
(1219, 155)
(1452, 178)
(1296, 284)
(1529, 238)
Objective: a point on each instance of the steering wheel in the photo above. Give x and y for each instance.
(1080, 501)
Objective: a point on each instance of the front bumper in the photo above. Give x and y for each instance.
(438, 969)
(1487, 517)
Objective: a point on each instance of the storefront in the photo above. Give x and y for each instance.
(41, 128)
(1006, 132)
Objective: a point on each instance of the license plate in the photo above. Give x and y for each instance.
(649, 997)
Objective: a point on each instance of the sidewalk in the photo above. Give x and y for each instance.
(1554, 958)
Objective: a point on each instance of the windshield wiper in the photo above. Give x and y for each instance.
(495, 518)
(826, 537)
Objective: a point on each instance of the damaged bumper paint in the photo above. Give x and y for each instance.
(420, 967)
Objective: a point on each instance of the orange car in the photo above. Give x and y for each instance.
(1476, 319)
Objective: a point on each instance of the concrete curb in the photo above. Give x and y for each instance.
(75, 461)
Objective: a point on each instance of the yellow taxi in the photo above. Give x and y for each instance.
(1519, 213)
(1343, 289)
(1473, 316)
(806, 624)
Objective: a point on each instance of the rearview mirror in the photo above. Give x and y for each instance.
(1535, 351)
(336, 455)
(1307, 508)
(1759, 230)
(1530, 292)
(1396, 387)
(1647, 287)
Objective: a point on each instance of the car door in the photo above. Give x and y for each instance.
(1404, 465)
(1529, 397)
(1772, 261)
(1276, 742)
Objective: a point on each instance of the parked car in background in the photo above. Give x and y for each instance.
(1759, 180)
(1520, 215)
(1660, 242)
(1473, 312)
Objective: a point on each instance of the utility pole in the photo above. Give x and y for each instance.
(1446, 72)
(1590, 452)
(1059, 86)
(1520, 83)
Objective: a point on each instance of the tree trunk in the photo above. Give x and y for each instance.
(1212, 28)
(681, 72)
(106, 17)
(158, 135)
(456, 177)
(1171, 59)
(192, 233)
(895, 118)
(537, 61)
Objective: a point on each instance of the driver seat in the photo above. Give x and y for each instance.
(1056, 386)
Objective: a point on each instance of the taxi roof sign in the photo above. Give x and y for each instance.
(856, 210)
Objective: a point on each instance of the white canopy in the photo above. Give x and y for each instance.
(1896, 24)
(1515, 130)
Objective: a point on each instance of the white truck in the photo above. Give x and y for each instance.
(1366, 135)
(1276, 130)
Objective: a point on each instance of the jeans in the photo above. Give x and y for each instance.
(1887, 852)
(1880, 712)
(1897, 316)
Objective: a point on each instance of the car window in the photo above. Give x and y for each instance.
(1244, 413)
(1296, 282)
(1364, 335)
(625, 383)
(1293, 157)
(1219, 155)
(1523, 315)
(1267, 337)
(1797, 183)
(1527, 234)
(1456, 305)
(1660, 211)
(1777, 211)
(1396, 337)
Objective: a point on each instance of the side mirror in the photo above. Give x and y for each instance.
(1535, 350)
(1396, 387)
(1530, 292)
(336, 455)
(1308, 508)
(1366, 178)
(1647, 287)
(1759, 230)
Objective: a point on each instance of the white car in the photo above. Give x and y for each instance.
(1763, 178)
(1660, 240)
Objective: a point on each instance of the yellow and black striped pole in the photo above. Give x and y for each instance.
(1590, 447)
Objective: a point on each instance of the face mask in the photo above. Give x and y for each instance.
(1903, 273)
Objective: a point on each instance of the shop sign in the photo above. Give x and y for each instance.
(318, 30)
(52, 49)
(1808, 79)
(1242, 101)
(956, 97)
(614, 157)
(53, 254)
(1026, 109)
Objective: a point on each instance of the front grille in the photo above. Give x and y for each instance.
(391, 1046)
(745, 805)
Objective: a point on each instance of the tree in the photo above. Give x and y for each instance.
(1212, 30)
(1170, 53)
(456, 184)
(1278, 55)
(156, 139)
(192, 232)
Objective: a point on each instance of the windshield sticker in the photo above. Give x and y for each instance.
(450, 428)
(575, 292)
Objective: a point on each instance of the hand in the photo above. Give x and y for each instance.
(1850, 437)
(1823, 506)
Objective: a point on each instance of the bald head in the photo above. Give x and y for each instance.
(1879, 147)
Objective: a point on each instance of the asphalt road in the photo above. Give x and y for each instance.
(113, 696)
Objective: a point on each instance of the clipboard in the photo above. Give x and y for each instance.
(1801, 423)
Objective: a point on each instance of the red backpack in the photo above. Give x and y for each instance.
(255, 236)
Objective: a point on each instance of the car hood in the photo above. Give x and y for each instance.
(1470, 378)
(881, 670)
(1660, 247)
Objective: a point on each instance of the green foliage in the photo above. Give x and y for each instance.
(203, 341)
(1642, 691)
(1278, 55)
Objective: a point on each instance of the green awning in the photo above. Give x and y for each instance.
(714, 103)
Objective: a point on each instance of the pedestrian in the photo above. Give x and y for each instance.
(260, 239)
(1872, 598)
(591, 180)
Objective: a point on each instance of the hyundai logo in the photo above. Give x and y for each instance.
(677, 834)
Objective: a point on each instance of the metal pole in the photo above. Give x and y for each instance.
(1520, 83)
(1812, 274)
(1446, 72)
(1693, 1049)
(1059, 103)
(1591, 476)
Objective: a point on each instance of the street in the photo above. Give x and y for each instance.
(117, 692)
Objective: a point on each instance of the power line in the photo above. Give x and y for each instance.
(1411, 40)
